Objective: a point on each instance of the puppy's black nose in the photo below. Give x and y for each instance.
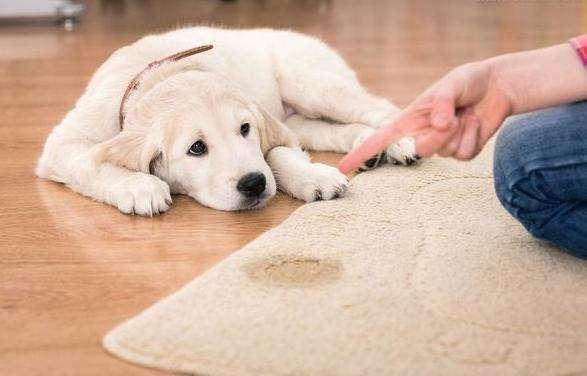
(252, 184)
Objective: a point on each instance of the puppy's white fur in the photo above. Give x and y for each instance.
(292, 89)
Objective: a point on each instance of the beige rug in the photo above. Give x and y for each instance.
(416, 272)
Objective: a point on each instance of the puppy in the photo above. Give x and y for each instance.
(225, 125)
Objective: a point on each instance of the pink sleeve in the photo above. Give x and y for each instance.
(580, 45)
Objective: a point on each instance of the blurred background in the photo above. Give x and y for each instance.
(398, 47)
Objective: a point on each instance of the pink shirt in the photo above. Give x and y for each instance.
(580, 45)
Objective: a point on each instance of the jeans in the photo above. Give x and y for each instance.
(540, 174)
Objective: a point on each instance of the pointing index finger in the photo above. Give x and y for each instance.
(374, 144)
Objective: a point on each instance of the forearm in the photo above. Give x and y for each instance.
(540, 78)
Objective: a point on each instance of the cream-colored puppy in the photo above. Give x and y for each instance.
(224, 126)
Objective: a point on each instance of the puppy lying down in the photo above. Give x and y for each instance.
(225, 125)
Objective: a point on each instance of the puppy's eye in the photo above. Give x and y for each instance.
(245, 128)
(198, 148)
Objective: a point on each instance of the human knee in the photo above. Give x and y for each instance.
(507, 164)
(519, 182)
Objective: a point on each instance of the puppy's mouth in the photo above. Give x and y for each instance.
(254, 203)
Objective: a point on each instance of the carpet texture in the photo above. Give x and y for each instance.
(418, 271)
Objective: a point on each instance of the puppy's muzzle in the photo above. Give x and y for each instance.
(252, 185)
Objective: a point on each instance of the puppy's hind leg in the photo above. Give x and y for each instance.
(348, 103)
(321, 135)
(316, 82)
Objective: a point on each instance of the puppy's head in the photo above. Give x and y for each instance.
(199, 133)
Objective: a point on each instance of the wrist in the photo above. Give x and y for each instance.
(504, 84)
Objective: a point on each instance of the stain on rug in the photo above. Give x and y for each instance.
(288, 271)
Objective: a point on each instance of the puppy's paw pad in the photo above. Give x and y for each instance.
(317, 195)
(376, 160)
(403, 152)
(142, 194)
(323, 182)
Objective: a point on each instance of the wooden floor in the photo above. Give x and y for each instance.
(71, 268)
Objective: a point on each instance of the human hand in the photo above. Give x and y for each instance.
(455, 117)
(459, 113)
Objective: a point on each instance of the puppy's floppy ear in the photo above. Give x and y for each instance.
(274, 133)
(129, 149)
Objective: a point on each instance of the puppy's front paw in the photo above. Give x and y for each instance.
(141, 194)
(403, 152)
(321, 182)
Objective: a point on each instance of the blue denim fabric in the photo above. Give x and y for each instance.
(540, 172)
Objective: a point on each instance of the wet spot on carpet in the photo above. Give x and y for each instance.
(293, 271)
